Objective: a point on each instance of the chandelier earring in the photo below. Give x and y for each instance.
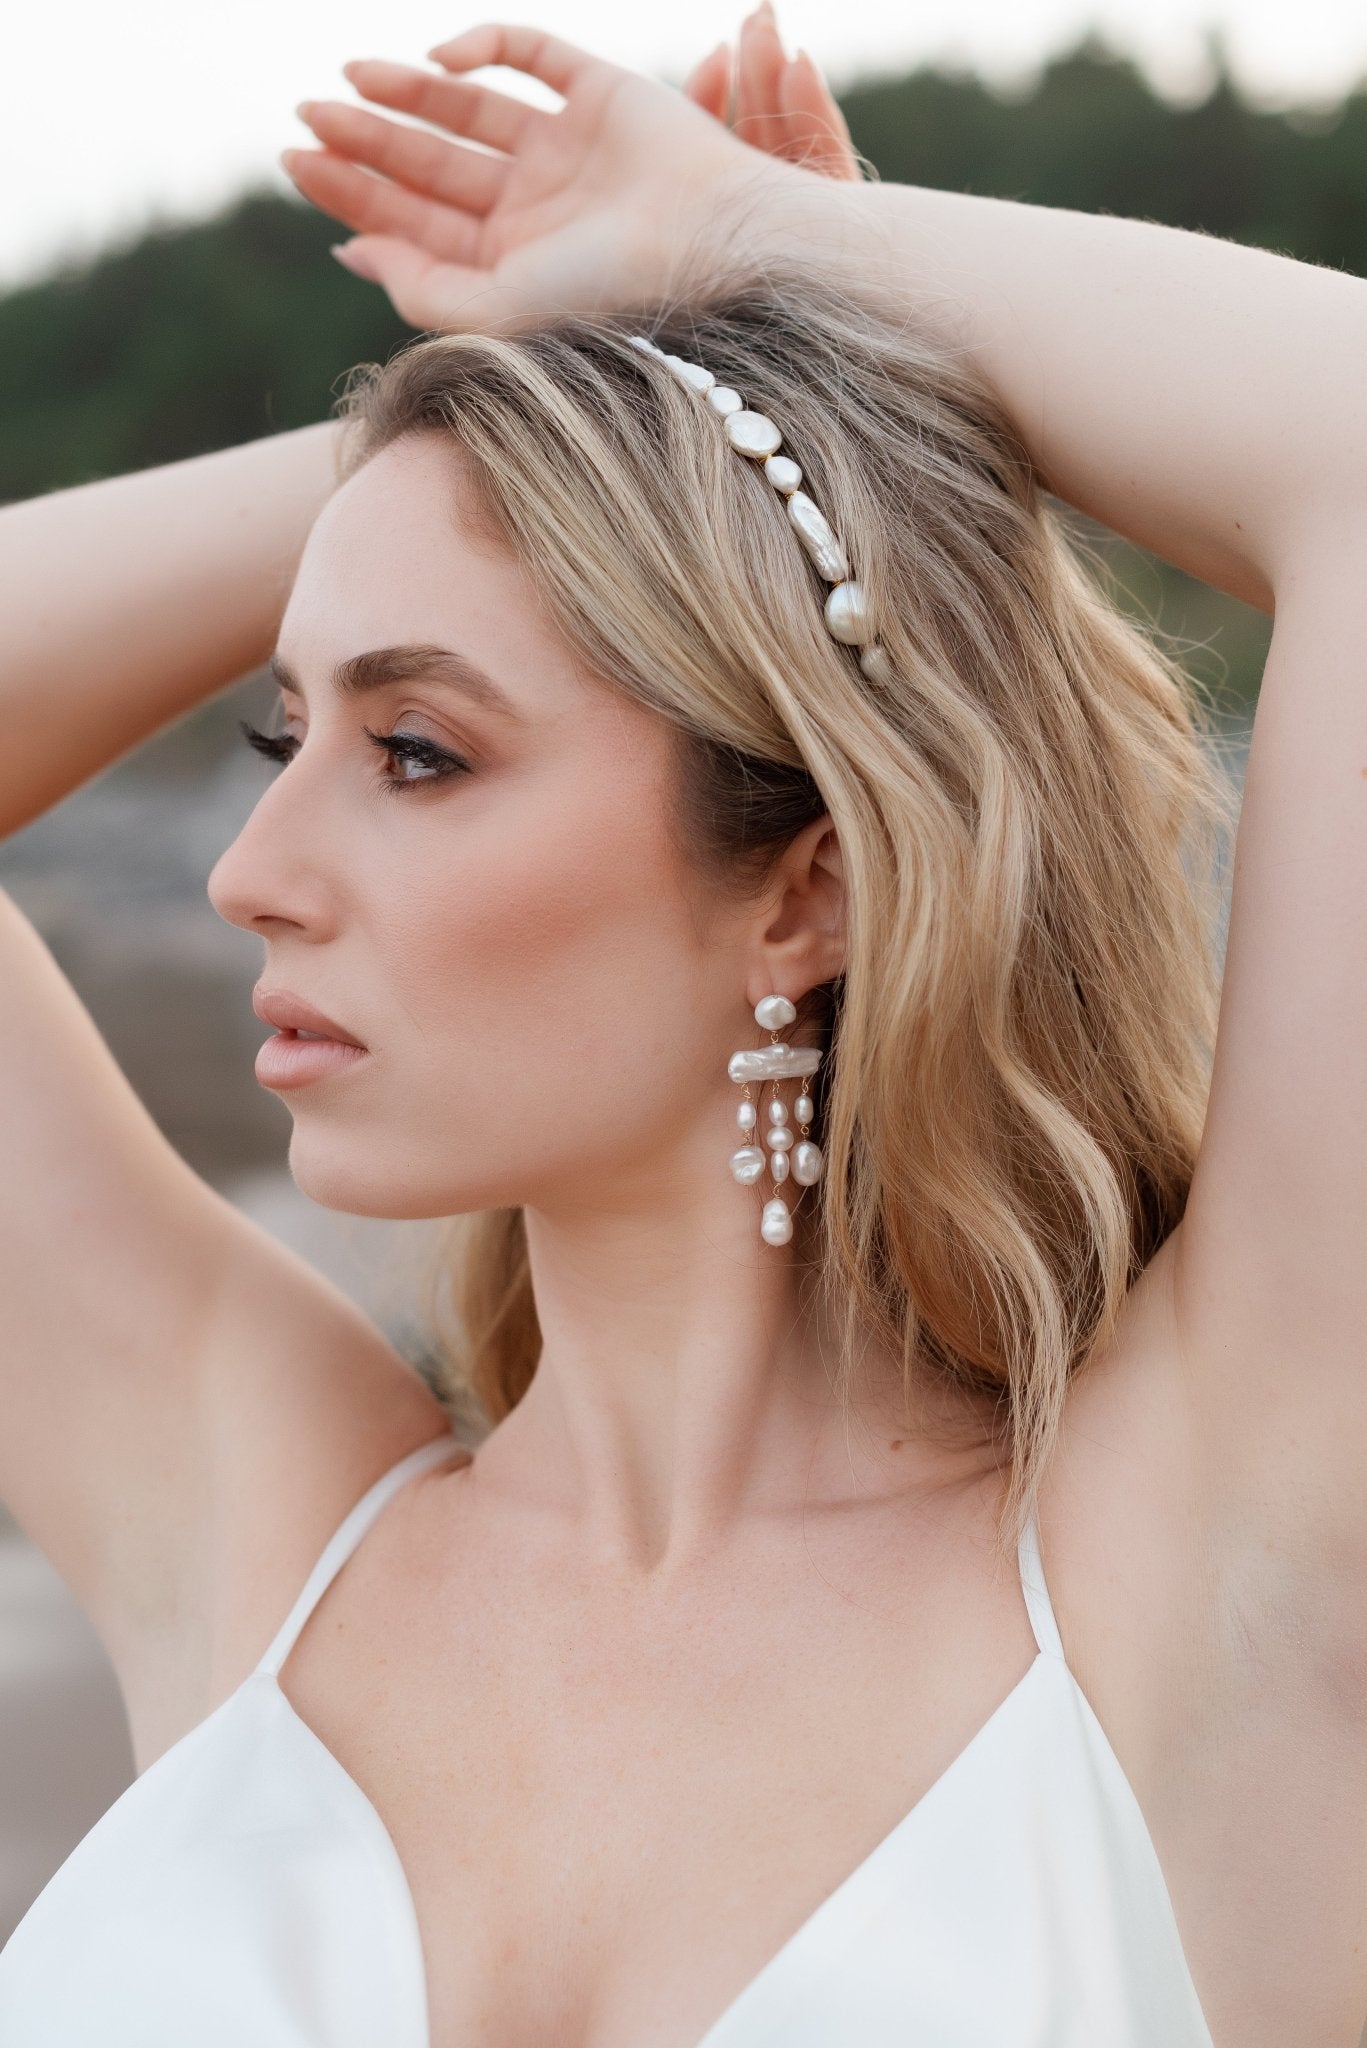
(786, 1156)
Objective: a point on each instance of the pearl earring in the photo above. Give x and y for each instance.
(802, 1159)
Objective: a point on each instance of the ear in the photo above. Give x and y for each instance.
(801, 931)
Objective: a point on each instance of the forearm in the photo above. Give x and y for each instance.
(1205, 399)
(124, 603)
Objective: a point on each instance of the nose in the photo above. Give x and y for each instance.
(269, 877)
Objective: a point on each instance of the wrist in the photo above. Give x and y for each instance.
(771, 215)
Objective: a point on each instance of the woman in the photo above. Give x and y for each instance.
(695, 1705)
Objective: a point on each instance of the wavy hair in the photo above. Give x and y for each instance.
(1018, 1049)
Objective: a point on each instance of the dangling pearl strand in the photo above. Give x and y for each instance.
(772, 1063)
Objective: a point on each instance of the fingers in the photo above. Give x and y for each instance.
(709, 83)
(468, 179)
(816, 132)
(423, 291)
(760, 62)
(784, 105)
(374, 206)
(473, 111)
(557, 64)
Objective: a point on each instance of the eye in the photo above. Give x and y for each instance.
(408, 749)
(275, 746)
(435, 763)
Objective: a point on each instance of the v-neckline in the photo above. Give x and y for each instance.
(753, 2001)
(770, 1972)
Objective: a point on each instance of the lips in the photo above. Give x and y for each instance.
(290, 1013)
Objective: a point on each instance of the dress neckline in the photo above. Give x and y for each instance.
(770, 1970)
(1048, 1659)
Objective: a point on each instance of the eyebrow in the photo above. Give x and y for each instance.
(381, 666)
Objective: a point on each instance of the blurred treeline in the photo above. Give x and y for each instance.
(195, 337)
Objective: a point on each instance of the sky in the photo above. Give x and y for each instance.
(112, 117)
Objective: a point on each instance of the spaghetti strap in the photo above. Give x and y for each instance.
(1038, 1604)
(345, 1540)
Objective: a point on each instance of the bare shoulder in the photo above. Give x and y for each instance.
(1129, 1528)
(188, 1407)
(303, 1404)
(1165, 1554)
(1204, 1502)
(1219, 1633)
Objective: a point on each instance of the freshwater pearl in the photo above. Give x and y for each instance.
(776, 1225)
(646, 346)
(701, 380)
(683, 370)
(778, 1165)
(808, 1164)
(773, 1012)
(783, 473)
(779, 1138)
(847, 615)
(773, 1063)
(817, 537)
(746, 1116)
(724, 400)
(877, 666)
(804, 1109)
(752, 433)
(778, 1112)
(747, 1165)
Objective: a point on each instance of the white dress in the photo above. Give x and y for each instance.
(244, 1893)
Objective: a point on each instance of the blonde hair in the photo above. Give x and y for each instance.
(1018, 1048)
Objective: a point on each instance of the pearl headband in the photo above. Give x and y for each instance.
(754, 434)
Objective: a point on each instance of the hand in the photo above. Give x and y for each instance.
(605, 200)
(609, 199)
(776, 103)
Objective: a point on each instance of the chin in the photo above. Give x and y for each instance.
(356, 1182)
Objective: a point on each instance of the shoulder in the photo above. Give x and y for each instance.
(1187, 1572)
(304, 1405)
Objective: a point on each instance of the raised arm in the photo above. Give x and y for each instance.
(164, 1365)
(126, 602)
(1204, 399)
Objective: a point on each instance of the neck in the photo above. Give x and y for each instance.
(686, 1384)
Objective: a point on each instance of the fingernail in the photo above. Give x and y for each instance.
(354, 260)
(305, 109)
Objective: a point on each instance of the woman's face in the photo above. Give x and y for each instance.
(547, 994)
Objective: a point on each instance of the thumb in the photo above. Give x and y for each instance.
(353, 256)
(425, 292)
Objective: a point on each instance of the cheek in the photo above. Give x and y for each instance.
(550, 992)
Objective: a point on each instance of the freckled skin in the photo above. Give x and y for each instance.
(521, 948)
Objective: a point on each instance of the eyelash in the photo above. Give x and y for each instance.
(402, 746)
